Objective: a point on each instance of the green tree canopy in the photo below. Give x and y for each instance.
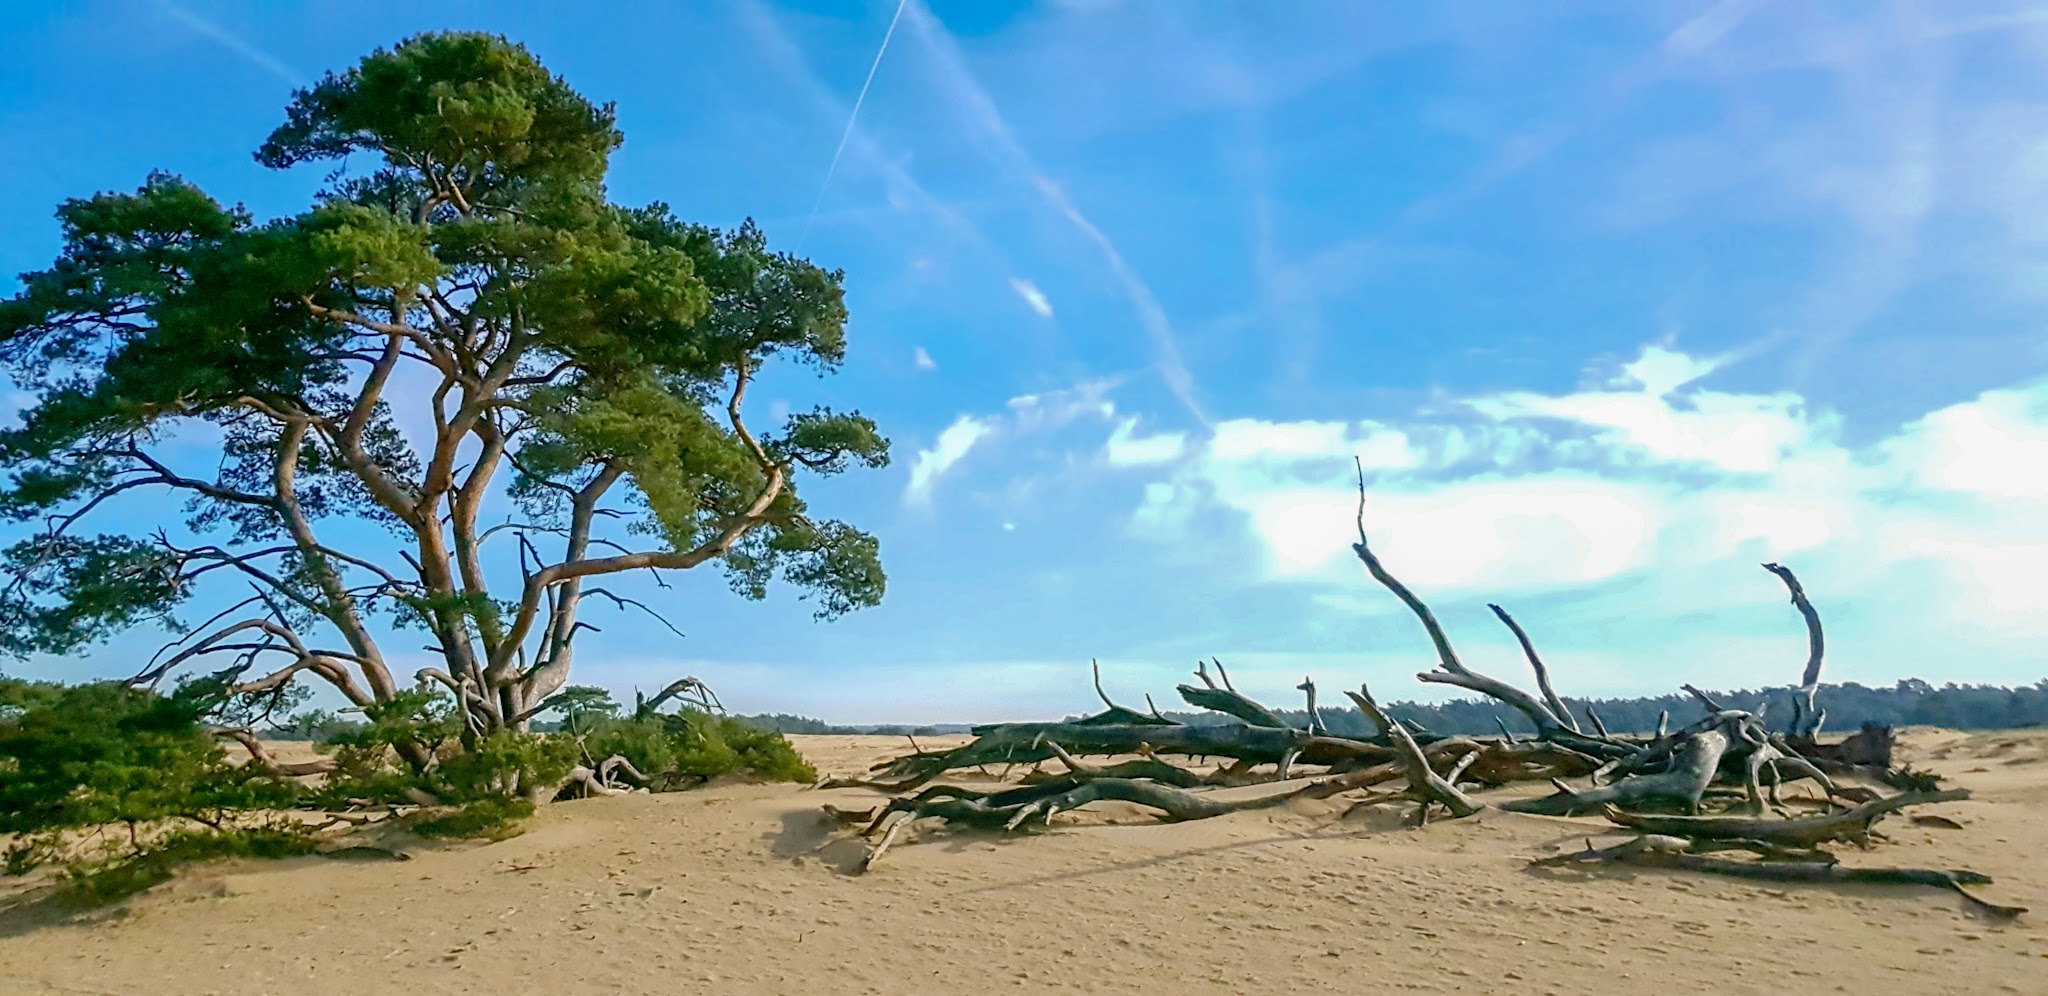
(578, 705)
(591, 359)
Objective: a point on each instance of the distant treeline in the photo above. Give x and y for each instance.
(1911, 702)
(785, 723)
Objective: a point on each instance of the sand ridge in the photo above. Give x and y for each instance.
(747, 889)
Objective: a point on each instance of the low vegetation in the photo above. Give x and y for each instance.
(117, 785)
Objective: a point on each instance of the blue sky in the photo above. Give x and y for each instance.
(1615, 299)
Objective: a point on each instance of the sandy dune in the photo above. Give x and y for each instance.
(744, 889)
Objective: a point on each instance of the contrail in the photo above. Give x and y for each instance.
(232, 42)
(844, 136)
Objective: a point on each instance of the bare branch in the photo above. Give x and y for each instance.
(1453, 671)
(1536, 664)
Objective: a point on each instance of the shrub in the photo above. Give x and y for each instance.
(89, 756)
(692, 747)
(491, 819)
(106, 753)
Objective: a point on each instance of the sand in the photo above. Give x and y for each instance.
(746, 889)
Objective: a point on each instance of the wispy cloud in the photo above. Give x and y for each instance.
(952, 446)
(903, 189)
(232, 42)
(1684, 42)
(1648, 481)
(924, 360)
(1128, 449)
(981, 110)
(1032, 296)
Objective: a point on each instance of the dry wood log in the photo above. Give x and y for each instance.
(1226, 699)
(1025, 743)
(1851, 825)
(1015, 809)
(1452, 671)
(1423, 780)
(1661, 851)
(1694, 761)
(1230, 703)
(1150, 768)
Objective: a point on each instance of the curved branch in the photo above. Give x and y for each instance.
(1422, 779)
(1536, 664)
(261, 757)
(1805, 713)
(1453, 671)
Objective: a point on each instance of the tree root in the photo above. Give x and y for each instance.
(1694, 762)
(1018, 809)
(1663, 851)
(1850, 825)
(1423, 780)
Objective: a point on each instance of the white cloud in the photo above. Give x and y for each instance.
(1550, 493)
(1992, 445)
(1128, 449)
(1032, 296)
(924, 360)
(950, 448)
(1053, 409)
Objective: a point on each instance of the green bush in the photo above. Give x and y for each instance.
(502, 766)
(106, 753)
(86, 757)
(491, 819)
(692, 747)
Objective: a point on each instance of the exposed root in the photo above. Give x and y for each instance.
(1850, 825)
(1422, 779)
(1661, 851)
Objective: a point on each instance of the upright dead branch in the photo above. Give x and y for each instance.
(1315, 716)
(1452, 671)
(1422, 779)
(1806, 714)
(1114, 714)
(1536, 664)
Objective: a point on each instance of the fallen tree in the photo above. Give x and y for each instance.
(1714, 785)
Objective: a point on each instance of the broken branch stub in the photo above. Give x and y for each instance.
(1422, 779)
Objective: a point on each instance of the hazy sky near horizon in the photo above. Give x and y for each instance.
(1615, 300)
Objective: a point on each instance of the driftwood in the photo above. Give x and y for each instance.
(1227, 700)
(1695, 759)
(1423, 781)
(1015, 809)
(1662, 851)
(1849, 825)
(1807, 717)
(1728, 756)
